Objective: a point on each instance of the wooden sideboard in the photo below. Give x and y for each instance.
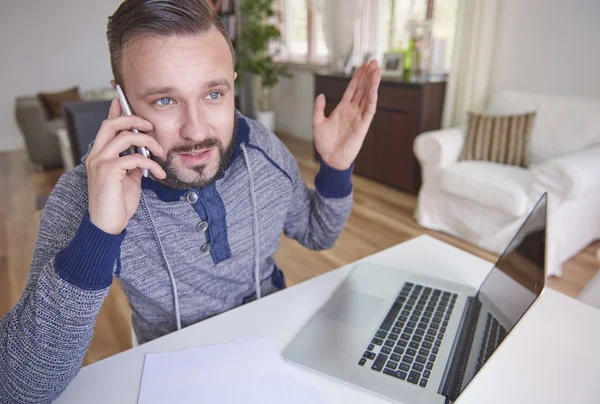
(404, 110)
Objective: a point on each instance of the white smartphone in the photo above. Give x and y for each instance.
(126, 108)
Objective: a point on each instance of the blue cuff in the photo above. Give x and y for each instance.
(332, 183)
(88, 261)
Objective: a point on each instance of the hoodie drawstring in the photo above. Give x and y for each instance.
(254, 221)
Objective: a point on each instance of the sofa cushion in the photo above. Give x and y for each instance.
(498, 138)
(563, 125)
(500, 187)
(51, 101)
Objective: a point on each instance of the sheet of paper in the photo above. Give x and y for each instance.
(248, 371)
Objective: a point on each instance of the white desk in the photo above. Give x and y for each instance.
(552, 356)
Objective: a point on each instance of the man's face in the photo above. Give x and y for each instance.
(185, 87)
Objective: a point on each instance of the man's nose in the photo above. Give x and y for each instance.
(194, 125)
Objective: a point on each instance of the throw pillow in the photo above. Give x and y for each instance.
(51, 101)
(498, 139)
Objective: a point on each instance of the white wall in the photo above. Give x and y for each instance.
(294, 99)
(548, 46)
(50, 46)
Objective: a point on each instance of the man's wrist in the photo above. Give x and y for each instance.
(333, 183)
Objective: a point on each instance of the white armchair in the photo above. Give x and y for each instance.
(485, 203)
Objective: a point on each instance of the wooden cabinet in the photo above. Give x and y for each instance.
(404, 109)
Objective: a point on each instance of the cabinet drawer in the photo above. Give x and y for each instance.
(399, 98)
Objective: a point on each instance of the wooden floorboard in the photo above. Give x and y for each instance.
(381, 217)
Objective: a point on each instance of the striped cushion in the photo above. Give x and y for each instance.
(499, 139)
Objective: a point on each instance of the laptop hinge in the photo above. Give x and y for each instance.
(456, 367)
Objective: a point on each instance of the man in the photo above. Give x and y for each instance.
(196, 240)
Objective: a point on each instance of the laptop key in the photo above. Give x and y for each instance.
(418, 366)
(399, 324)
(447, 317)
(391, 317)
(436, 320)
(420, 331)
(395, 357)
(408, 359)
(434, 325)
(437, 343)
(404, 366)
(396, 330)
(431, 331)
(362, 361)
(386, 350)
(406, 313)
(424, 352)
(417, 338)
(381, 334)
(443, 330)
(377, 341)
(402, 343)
(411, 351)
(429, 365)
(391, 365)
(445, 323)
(371, 347)
(390, 372)
(405, 337)
(426, 345)
(422, 325)
(435, 351)
(413, 377)
(414, 345)
(437, 292)
(398, 350)
(432, 357)
(379, 362)
(390, 343)
(426, 374)
(402, 375)
(409, 330)
(421, 359)
(428, 338)
(423, 383)
(393, 337)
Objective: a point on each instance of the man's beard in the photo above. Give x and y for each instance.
(225, 156)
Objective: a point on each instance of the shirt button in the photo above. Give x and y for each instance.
(202, 227)
(192, 197)
(205, 247)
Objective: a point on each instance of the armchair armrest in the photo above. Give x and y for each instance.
(570, 176)
(439, 148)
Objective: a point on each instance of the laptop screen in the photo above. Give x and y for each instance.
(510, 289)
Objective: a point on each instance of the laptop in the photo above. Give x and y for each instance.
(415, 339)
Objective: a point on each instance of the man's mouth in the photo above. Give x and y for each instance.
(197, 156)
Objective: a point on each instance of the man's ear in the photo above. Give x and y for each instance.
(114, 84)
(234, 76)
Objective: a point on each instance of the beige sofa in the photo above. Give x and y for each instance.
(38, 132)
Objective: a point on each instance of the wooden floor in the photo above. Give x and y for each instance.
(381, 217)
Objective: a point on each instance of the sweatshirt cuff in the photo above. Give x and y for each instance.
(88, 261)
(332, 183)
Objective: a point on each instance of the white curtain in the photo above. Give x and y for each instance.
(469, 81)
(339, 22)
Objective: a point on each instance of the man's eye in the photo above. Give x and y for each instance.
(164, 101)
(213, 95)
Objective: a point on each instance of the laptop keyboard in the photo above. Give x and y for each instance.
(493, 335)
(407, 343)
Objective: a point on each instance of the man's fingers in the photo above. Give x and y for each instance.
(111, 127)
(133, 161)
(125, 140)
(115, 109)
(371, 98)
(319, 109)
(353, 85)
(364, 83)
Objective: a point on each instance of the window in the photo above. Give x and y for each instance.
(301, 26)
(394, 15)
(380, 27)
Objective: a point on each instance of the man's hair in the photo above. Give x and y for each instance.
(137, 18)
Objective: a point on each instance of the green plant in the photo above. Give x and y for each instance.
(254, 52)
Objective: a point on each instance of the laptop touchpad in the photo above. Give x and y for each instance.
(353, 308)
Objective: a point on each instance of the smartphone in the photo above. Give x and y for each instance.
(126, 108)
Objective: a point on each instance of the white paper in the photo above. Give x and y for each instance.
(248, 371)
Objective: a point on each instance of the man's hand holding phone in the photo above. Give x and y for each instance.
(115, 182)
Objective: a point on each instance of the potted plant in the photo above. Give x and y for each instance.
(255, 51)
